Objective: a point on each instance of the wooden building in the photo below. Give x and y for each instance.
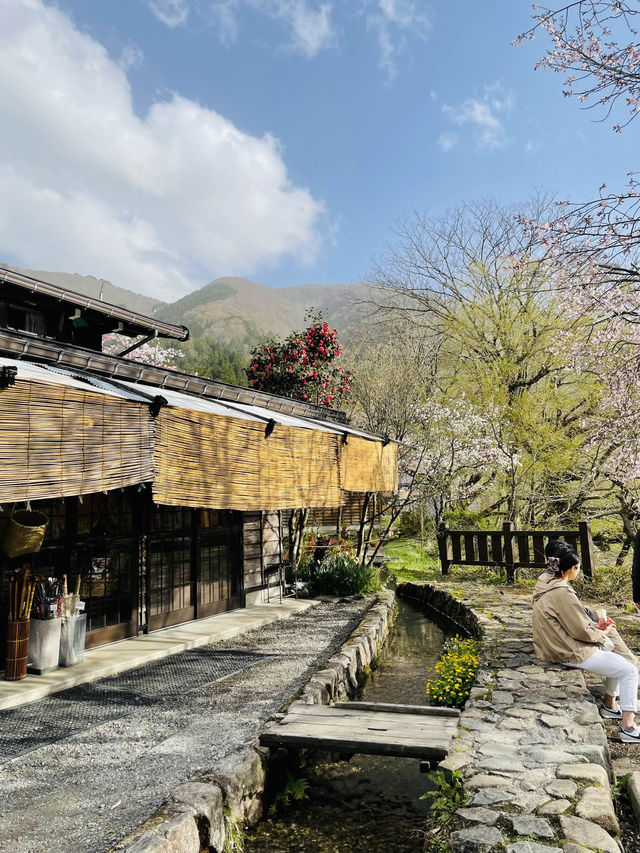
(163, 491)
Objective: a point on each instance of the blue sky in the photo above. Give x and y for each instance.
(163, 143)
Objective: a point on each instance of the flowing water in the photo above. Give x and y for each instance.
(370, 804)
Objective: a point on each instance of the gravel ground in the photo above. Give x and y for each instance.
(84, 793)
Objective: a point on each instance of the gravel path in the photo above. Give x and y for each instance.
(84, 793)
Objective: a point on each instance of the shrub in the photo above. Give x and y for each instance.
(318, 548)
(455, 673)
(409, 524)
(465, 519)
(341, 573)
(606, 531)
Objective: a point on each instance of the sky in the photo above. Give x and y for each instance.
(160, 144)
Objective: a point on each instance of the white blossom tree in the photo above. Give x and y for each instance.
(152, 354)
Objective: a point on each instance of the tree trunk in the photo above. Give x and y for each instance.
(297, 522)
(629, 514)
(626, 545)
(361, 545)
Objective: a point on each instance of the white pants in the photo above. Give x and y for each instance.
(621, 675)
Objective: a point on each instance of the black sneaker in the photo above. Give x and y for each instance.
(610, 713)
(630, 735)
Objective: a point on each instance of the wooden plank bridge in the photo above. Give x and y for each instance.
(406, 731)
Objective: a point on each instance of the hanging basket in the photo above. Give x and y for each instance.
(24, 533)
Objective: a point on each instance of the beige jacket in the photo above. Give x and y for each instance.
(562, 631)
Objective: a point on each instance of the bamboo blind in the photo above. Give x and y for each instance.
(368, 466)
(209, 460)
(350, 512)
(57, 440)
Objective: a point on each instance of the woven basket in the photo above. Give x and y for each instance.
(24, 533)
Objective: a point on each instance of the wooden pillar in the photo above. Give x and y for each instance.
(444, 548)
(586, 548)
(507, 533)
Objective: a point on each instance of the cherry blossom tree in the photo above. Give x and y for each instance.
(595, 46)
(152, 354)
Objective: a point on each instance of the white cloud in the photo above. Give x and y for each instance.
(312, 30)
(131, 57)
(311, 24)
(310, 27)
(485, 116)
(448, 141)
(393, 20)
(173, 13)
(155, 203)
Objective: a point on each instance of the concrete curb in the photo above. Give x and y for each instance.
(199, 815)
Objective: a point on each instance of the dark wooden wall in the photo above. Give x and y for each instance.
(262, 548)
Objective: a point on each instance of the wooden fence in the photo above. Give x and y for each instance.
(509, 548)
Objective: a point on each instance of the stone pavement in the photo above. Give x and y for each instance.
(532, 749)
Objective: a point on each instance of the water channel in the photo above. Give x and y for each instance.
(370, 803)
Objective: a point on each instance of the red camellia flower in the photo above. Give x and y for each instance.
(302, 365)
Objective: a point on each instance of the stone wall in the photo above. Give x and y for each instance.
(531, 748)
(199, 815)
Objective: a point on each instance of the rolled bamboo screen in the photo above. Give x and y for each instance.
(368, 466)
(57, 441)
(208, 460)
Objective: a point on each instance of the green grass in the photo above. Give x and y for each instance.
(413, 561)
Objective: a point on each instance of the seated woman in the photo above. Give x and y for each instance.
(554, 548)
(564, 633)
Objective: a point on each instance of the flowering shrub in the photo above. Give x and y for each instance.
(342, 573)
(456, 673)
(307, 558)
(316, 548)
(302, 366)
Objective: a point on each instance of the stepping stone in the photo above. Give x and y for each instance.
(529, 825)
(588, 834)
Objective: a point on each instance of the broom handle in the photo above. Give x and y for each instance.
(30, 604)
(23, 592)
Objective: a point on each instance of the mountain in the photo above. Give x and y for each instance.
(234, 311)
(98, 288)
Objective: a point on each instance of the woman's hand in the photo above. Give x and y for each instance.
(603, 624)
